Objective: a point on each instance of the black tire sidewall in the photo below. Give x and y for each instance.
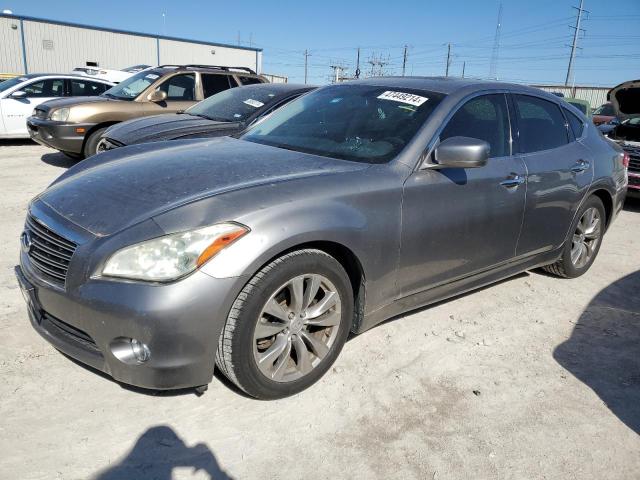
(570, 270)
(91, 144)
(245, 367)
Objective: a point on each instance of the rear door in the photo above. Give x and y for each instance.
(80, 87)
(560, 170)
(456, 221)
(16, 110)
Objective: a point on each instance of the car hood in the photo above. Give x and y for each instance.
(114, 190)
(166, 127)
(73, 101)
(625, 99)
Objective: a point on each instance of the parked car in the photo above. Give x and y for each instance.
(603, 114)
(20, 95)
(75, 126)
(625, 99)
(583, 105)
(606, 128)
(115, 76)
(351, 204)
(224, 113)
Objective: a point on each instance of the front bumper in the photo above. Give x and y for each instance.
(179, 322)
(59, 135)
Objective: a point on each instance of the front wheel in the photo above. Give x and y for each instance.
(91, 143)
(287, 326)
(583, 244)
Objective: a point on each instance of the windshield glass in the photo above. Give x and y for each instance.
(235, 104)
(133, 86)
(12, 82)
(362, 123)
(606, 109)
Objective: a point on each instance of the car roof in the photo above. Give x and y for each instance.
(448, 85)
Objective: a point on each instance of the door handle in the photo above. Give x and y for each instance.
(514, 181)
(580, 166)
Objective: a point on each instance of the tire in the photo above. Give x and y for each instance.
(91, 143)
(568, 267)
(73, 156)
(244, 354)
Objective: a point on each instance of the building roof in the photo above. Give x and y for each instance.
(127, 32)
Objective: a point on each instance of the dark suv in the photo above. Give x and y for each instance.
(74, 126)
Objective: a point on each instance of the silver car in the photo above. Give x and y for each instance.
(259, 254)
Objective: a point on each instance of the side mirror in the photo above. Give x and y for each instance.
(157, 96)
(461, 152)
(19, 94)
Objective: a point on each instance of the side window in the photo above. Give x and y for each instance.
(180, 87)
(485, 118)
(84, 88)
(541, 124)
(212, 83)
(45, 88)
(577, 125)
(248, 80)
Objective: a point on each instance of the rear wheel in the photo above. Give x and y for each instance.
(91, 143)
(582, 246)
(287, 326)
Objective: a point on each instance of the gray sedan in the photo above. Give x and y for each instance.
(357, 202)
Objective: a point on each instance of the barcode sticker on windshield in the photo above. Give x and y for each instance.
(151, 76)
(253, 103)
(403, 97)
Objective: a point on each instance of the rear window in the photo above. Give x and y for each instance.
(249, 80)
(540, 123)
(577, 125)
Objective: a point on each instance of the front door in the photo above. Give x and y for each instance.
(16, 110)
(181, 94)
(560, 170)
(455, 221)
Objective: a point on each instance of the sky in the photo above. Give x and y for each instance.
(534, 47)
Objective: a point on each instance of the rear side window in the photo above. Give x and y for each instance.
(541, 124)
(45, 88)
(84, 88)
(212, 84)
(248, 80)
(180, 87)
(485, 118)
(577, 125)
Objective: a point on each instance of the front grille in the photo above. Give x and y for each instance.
(634, 157)
(49, 252)
(634, 181)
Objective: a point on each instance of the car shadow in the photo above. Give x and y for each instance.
(157, 453)
(632, 205)
(58, 160)
(604, 349)
(17, 142)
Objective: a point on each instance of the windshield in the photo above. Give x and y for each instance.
(362, 123)
(235, 104)
(12, 82)
(133, 86)
(606, 110)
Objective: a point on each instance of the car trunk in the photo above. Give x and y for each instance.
(625, 99)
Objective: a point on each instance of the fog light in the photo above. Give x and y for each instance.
(130, 350)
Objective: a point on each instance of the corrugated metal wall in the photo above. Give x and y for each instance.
(10, 44)
(52, 47)
(596, 96)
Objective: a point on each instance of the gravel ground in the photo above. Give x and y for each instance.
(534, 377)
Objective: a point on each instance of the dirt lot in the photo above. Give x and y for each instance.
(532, 378)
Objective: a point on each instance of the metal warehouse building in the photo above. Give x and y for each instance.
(30, 45)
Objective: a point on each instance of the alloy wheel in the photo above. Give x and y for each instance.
(586, 237)
(297, 327)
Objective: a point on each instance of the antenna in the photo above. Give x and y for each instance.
(493, 67)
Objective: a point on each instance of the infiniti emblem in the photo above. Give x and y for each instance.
(25, 241)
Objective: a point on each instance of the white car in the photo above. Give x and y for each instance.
(20, 95)
(115, 76)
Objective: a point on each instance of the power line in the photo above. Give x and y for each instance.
(575, 41)
(493, 68)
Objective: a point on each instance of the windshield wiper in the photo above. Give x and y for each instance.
(202, 115)
(109, 95)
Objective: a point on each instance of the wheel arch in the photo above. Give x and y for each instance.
(97, 126)
(607, 200)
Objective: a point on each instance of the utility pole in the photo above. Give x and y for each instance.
(493, 66)
(446, 73)
(357, 73)
(464, 64)
(404, 60)
(306, 56)
(574, 46)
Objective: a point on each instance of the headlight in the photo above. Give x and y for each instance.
(172, 256)
(59, 115)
